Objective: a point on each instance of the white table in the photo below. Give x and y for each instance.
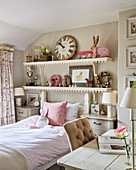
(88, 157)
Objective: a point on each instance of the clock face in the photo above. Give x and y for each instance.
(36, 103)
(65, 47)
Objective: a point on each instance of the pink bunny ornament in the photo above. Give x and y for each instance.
(100, 51)
(43, 120)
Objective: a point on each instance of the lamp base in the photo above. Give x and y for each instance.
(111, 111)
(18, 101)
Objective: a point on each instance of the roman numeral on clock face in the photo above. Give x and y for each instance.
(71, 51)
(59, 55)
(70, 42)
(71, 46)
(64, 39)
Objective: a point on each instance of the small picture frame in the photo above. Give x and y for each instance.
(131, 57)
(31, 98)
(79, 73)
(131, 81)
(37, 53)
(131, 28)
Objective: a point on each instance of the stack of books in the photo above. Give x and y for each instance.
(109, 143)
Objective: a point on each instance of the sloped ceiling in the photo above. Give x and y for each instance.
(22, 21)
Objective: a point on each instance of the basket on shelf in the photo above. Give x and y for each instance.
(45, 58)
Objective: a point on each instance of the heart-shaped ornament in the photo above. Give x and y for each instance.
(55, 80)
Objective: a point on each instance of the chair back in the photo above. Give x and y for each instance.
(79, 132)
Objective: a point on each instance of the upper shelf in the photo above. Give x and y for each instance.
(77, 61)
(68, 89)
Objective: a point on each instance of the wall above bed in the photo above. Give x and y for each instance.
(108, 36)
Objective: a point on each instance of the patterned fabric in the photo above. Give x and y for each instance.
(7, 111)
(39, 146)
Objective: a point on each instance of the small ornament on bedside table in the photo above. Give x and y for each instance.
(25, 102)
(103, 112)
(36, 103)
(95, 108)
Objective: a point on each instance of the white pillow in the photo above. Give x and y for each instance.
(71, 111)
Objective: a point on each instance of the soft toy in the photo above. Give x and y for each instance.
(100, 51)
(43, 120)
(66, 81)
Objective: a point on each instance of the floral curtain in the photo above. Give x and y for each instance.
(7, 110)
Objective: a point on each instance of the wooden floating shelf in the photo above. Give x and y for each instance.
(78, 61)
(68, 89)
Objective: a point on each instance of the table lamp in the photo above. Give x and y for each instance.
(129, 101)
(110, 98)
(18, 92)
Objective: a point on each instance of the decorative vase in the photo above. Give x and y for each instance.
(128, 159)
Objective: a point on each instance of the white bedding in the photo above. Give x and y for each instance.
(39, 146)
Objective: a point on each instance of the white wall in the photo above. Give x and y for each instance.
(18, 68)
(123, 115)
(108, 36)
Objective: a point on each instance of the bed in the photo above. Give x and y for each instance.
(32, 149)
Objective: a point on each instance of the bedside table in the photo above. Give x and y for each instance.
(101, 123)
(23, 112)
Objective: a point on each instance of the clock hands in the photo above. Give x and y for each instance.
(59, 43)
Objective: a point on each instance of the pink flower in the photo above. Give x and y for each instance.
(120, 129)
(121, 132)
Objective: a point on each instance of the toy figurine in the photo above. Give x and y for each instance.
(100, 51)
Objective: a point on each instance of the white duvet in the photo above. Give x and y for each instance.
(39, 146)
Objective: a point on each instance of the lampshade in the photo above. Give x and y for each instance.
(129, 98)
(19, 91)
(110, 97)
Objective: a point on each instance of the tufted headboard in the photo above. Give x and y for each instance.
(79, 132)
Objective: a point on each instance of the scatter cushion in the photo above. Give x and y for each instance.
(71, 111)
(56, 113)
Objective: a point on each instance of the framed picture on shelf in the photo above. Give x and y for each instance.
(31, 98)
(37, 53)
(79, 73)
(131, 57)
(131, 81)
(131, 28)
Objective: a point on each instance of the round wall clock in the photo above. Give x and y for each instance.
(65, 47)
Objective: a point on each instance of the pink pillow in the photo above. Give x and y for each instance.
(56, 113)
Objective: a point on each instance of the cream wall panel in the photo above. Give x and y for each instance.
(108, 36)
(123, 115)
